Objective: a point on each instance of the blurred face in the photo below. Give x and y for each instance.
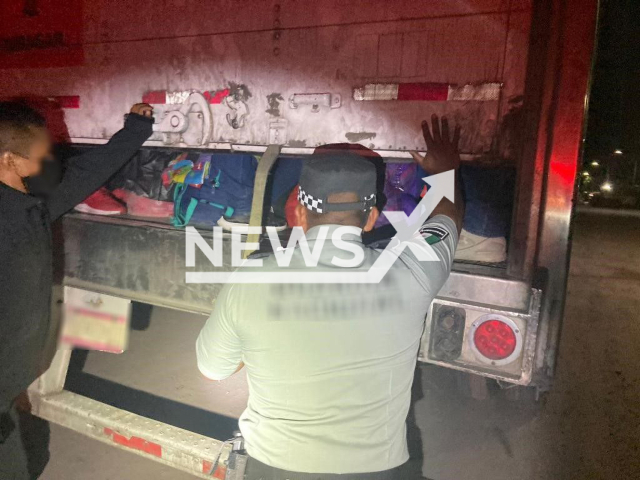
(29, 163)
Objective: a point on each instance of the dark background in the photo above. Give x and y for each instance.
(614, 108)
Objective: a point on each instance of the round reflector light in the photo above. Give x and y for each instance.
(495, 339)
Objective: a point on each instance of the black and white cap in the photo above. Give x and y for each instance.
(337, 172)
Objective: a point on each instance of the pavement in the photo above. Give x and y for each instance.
(587, 427)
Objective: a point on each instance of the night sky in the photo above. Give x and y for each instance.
(614, 108)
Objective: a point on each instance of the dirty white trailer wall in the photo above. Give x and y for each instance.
(266, 51)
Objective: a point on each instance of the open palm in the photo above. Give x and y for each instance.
(442, 149)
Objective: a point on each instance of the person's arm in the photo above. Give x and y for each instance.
(442, 155)
(439, 234)
(88, 172)
(218, 347)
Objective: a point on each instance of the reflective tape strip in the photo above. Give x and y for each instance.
(135, 443)
(162, 97)
(154, 440)
(481, 92)
(434, 92)
(376, 91)
(157, 97)
(428, 91)
(177, 98)
(220, 472)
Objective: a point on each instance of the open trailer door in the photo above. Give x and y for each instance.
(240, 76)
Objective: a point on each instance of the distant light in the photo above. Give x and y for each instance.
(591, 195)
(585, 174)
(618, 152)
(595, 163)
(606, 187)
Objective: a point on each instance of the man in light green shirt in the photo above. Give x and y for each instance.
(330, 365)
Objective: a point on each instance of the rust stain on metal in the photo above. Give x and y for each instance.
(274, 100)
(354, 137)
(239, 91)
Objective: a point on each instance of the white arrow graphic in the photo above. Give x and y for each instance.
(442, 186)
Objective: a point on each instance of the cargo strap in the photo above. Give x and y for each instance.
(265, 164)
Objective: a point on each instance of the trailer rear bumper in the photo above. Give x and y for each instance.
(155, 440)
(146, 262)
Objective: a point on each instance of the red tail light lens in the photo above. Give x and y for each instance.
(495, 339)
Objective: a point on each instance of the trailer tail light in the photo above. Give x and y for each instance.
(447, 333)
(480, 340)
(495, 339)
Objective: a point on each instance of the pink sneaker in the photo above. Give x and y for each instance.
(101, 202)
(143, 207)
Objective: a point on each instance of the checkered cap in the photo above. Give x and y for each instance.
(313, 204)
(337, 172)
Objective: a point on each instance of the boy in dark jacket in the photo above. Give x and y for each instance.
(26, 250)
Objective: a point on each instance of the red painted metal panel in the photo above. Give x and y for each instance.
(43, 33)
(67, 101)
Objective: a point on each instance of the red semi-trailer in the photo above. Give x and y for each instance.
(280, 77)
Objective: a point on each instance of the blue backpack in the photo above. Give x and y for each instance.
(227, 190)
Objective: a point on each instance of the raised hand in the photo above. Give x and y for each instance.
(143, 109)
(442, 150)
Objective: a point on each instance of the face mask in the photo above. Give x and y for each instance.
(47, 180)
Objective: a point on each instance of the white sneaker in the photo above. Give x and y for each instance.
(476, 248)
